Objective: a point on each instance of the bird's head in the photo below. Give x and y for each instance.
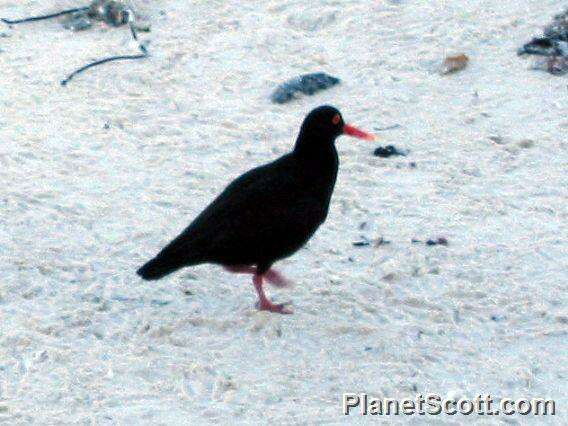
(323, 125)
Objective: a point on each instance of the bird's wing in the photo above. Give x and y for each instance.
(263, 202)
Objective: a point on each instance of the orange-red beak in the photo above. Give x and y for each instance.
(356, 133)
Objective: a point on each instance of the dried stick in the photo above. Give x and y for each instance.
(99, 62)
(42, 17)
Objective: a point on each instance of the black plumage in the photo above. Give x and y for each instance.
(267, 213)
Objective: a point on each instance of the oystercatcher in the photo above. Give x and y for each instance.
(267, 213)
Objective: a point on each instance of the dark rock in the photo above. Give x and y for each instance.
(388, 151)
(497, 139)
(439, 242)
(306, 84)
(553, 44)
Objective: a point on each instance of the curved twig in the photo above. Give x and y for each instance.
(103, 61)
(42, 17)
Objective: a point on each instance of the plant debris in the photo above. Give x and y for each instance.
(391, 127)
(42, 17)
(454, 64)
(442, 241)
(388, 151)
(365, 242)
(110, 12)
(306, 84)
(553, 44)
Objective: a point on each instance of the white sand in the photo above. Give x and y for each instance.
(83, 340)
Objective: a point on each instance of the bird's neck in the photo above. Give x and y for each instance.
(314, 146)
(319, 160)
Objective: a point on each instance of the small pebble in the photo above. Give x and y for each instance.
(497, 139)
(526, 143)
(388, 151)
(440, 241)
(454, 64)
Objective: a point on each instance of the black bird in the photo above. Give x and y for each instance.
(267, 213)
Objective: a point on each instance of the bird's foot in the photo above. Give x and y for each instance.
(277, 279)
(279, 308)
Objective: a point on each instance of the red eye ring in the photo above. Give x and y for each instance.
(335, 120)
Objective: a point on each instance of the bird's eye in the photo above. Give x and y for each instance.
(335, 120)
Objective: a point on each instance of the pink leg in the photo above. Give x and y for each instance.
(272, 276)
(263, 303)
(277, 279)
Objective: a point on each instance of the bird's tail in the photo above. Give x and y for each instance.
(157, 268)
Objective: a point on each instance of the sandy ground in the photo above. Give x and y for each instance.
(96, 177)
